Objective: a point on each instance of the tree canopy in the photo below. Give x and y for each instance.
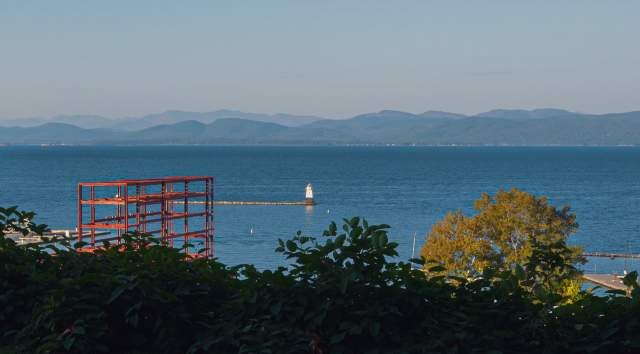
(509, 231)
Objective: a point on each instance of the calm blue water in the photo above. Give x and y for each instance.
(407, 187)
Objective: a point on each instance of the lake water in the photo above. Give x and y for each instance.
(409, 188)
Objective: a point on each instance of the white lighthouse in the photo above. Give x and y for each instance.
(308, 195)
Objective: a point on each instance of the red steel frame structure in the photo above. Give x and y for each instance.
(154, 206)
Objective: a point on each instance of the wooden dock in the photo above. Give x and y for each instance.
(609, 281)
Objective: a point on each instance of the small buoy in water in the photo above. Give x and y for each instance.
(252, 231)
(328, 211)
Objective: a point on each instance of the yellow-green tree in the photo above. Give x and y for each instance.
(457, 244)
(511, 229)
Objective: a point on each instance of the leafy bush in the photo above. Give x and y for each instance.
(139, 299)
(343, 293)
(23, 271)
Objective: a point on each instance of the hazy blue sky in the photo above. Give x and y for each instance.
(334, 58)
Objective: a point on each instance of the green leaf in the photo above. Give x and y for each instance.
(375, 328)
(383, 239)
(117, 292)
(337, 338)
(616, 292)
(631, 279)
(291, 246)
(520, 272)
(68, 342)
(275, 308)
(343, 284)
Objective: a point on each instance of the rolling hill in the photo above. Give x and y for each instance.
(168, 117)
(499, 127)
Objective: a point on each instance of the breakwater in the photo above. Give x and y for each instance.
(222, 202)
(611, 255)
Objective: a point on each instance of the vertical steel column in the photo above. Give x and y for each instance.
(207, 226)
(138, 211)
(126, 208)
(186, 217)
(93, 216)
(171, 231)
(144, 210)
(163, 214)
(79, 212)
(211, 216)
(119, 220)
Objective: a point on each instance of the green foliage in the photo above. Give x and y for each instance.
(13, 220)
(22, 270)
(139, 297)
(514, 232)
(342, 293)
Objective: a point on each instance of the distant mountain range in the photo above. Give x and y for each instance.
(497, 127)
(150, 120)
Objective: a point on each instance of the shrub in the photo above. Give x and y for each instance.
(343, 293)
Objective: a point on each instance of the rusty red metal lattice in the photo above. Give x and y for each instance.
(160, 207)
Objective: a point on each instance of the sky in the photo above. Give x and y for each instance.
(330, 58)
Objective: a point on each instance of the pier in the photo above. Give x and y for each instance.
(609, 281)
(54, 236)
(308, 200)
(223, 202)
(611, 255)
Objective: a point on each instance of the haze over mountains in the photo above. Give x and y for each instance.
(497, 127)
(150, 120)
